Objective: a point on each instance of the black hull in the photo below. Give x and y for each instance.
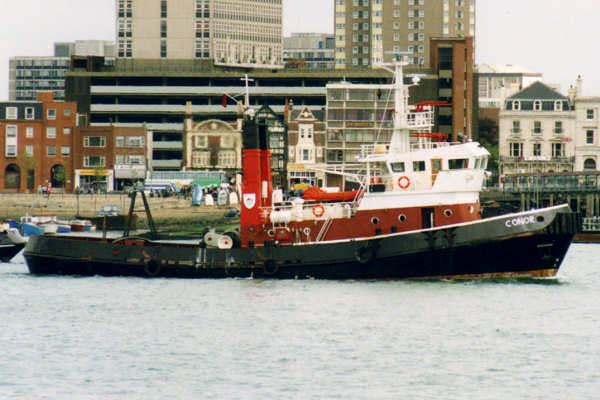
(8, 251)
(498, 247)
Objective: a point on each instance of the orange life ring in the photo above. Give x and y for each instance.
(318, 210)
(403, 182)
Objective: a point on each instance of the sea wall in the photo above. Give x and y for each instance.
(14, 205)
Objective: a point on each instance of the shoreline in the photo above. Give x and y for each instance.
(68, 205)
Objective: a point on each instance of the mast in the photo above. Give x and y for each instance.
(400, 142)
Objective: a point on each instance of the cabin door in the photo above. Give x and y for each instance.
(427, 218)
(436, 166)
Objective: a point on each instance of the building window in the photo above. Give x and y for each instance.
(51, 132)
(589, 136)
(537, 127)
(29, 132)
(29, 113)
(200, 159)
(227, 158)
(135, 159)
(589, 164)
(558, 127)
(67, 112)
(558, 150)
(516, 105)
(93, 161)
(163, 48)
(516, 149)
(537, 105)
(537, 149)
(516, 127)
(66, 131)
(120, 141)
(12, 113)
(226, 141)
(94, 141)
(65, 151)
(163, 8)
(558, 105)
(200, 141)
(29, 149)
(163, 29)
(589, 113)
(51, 150)
(51, 113)
(135, 141)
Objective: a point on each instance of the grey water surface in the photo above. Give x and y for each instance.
(134, 338)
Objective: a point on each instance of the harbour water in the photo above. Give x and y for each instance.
(132, 338)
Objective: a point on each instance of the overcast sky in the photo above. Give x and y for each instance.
(553, 37)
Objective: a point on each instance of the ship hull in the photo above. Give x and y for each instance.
(532, 244)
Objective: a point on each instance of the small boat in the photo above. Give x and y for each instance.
(41, 224)
(81, 225)
(11, 242)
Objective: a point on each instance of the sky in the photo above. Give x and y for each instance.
(553, 37)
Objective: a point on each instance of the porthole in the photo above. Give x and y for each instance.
(448, 212)
(271, 232)
(401, 217)
(306, 231)
(374, 220)
(540, 218)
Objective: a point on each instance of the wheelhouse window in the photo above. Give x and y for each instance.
(397, 166)
(458, 163)
(418, 166)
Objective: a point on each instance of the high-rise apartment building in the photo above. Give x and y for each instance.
(230, 32)
(368, 31)
(309, 50)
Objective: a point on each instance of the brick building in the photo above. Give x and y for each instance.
(109, 158)
(37, 137)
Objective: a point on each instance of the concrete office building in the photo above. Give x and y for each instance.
(309, 50)
(29, 75)
(229, 32)
(367, 31)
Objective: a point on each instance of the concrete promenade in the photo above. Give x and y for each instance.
(15, 205)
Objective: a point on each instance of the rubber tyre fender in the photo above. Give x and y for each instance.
(364, 254)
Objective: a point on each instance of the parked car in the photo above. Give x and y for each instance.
(109, 209)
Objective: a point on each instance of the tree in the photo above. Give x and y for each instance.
(29, 164)
(59, 175)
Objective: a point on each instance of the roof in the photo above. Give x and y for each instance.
(538, 91)
(505, 69)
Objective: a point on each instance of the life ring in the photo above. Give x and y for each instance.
(318, 210)
(364, 254)
(403, 182)
(151, 267)
(270, 267)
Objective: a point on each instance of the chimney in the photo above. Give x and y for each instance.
(579, 86)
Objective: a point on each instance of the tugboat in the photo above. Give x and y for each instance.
(415, 215)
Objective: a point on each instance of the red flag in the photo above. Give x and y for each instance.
(224, 100)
